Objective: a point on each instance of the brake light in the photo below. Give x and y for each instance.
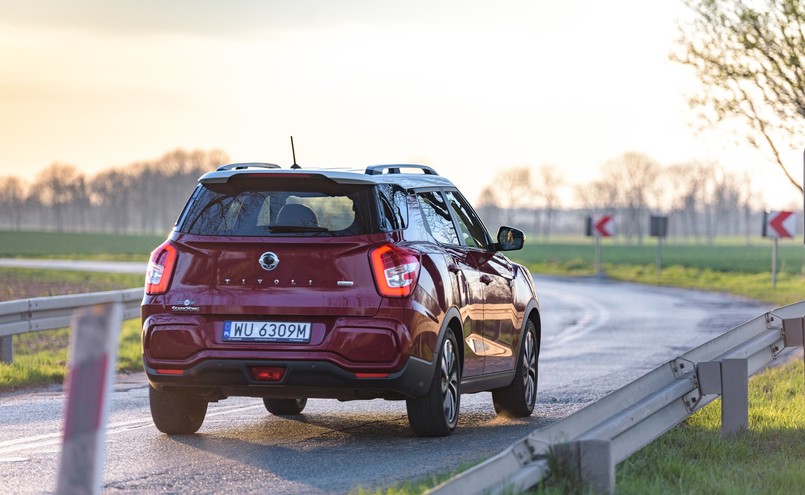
(160, 269)
(395, 269)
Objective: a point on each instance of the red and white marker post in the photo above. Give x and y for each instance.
(777, 224)
(93, 359)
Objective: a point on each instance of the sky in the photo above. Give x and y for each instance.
(468, 87)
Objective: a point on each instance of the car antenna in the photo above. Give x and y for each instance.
(295, 165)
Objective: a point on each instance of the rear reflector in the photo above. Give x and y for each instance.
(170, 372)
(268, 373)
(371, 375)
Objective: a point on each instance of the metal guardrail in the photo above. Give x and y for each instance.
(51, 313)
(601, 435)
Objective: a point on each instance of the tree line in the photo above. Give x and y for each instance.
(703, 200)
(143, 197)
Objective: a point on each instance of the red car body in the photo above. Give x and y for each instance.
(384, 301)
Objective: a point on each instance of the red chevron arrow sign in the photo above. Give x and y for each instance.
(603, 226)
(780, 224)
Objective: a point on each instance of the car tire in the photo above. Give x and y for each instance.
(285, 407)
(436, 414)
(517, 400)
(176, 413)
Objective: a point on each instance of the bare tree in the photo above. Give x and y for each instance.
(549, 180)
(166, 183)
(489, 210)
(630, 177)
(682, 179)
(12, 198)
(511, 190)
(111, 192)
(708, 200)
(61, 189)
(750, 59)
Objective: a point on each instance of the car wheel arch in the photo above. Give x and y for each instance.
(451, 323)
(531, 314)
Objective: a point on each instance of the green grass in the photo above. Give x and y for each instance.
(84, 245)
(693, 458)
(23, 283)
(578, 256)
(40, 358)
(414, 486)
(724, 267)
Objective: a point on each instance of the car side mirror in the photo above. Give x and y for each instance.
(510, 239)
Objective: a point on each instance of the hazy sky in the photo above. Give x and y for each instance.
(469, 87)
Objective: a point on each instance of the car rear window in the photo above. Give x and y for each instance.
(262, 211)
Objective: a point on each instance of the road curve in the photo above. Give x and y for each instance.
(598, 335)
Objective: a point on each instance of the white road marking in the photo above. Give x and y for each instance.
(39, 443)
(591, 316)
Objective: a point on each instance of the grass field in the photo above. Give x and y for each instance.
(84, 245)
(727, 266)
(727, 255)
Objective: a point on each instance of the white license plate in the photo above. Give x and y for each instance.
(266, 331)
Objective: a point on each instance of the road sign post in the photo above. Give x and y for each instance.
(658, 227)
(599, 226)
(777, 224)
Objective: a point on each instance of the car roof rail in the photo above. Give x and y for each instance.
(396, 169)
(241, 166)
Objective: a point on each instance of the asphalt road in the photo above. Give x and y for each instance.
(598, 335)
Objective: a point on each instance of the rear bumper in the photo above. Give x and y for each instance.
(220, 378)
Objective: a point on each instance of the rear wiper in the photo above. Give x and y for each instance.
(296, 228)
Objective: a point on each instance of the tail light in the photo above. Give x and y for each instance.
(395, 269)
(160, 269)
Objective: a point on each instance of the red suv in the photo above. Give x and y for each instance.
(289, 284)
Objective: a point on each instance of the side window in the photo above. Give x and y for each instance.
(393, 207)
(416, 230)
(437, 217)
(472, 230)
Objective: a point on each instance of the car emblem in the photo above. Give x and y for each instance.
(269, 261)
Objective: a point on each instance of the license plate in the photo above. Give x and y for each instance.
(266, 331)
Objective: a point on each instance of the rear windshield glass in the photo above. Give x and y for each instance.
(261, 211)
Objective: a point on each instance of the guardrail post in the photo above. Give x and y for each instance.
(597, 466)
(730, 379)
(794, 332)
(7, 349)
(735, 397)
(591, 461)
(93, 358)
